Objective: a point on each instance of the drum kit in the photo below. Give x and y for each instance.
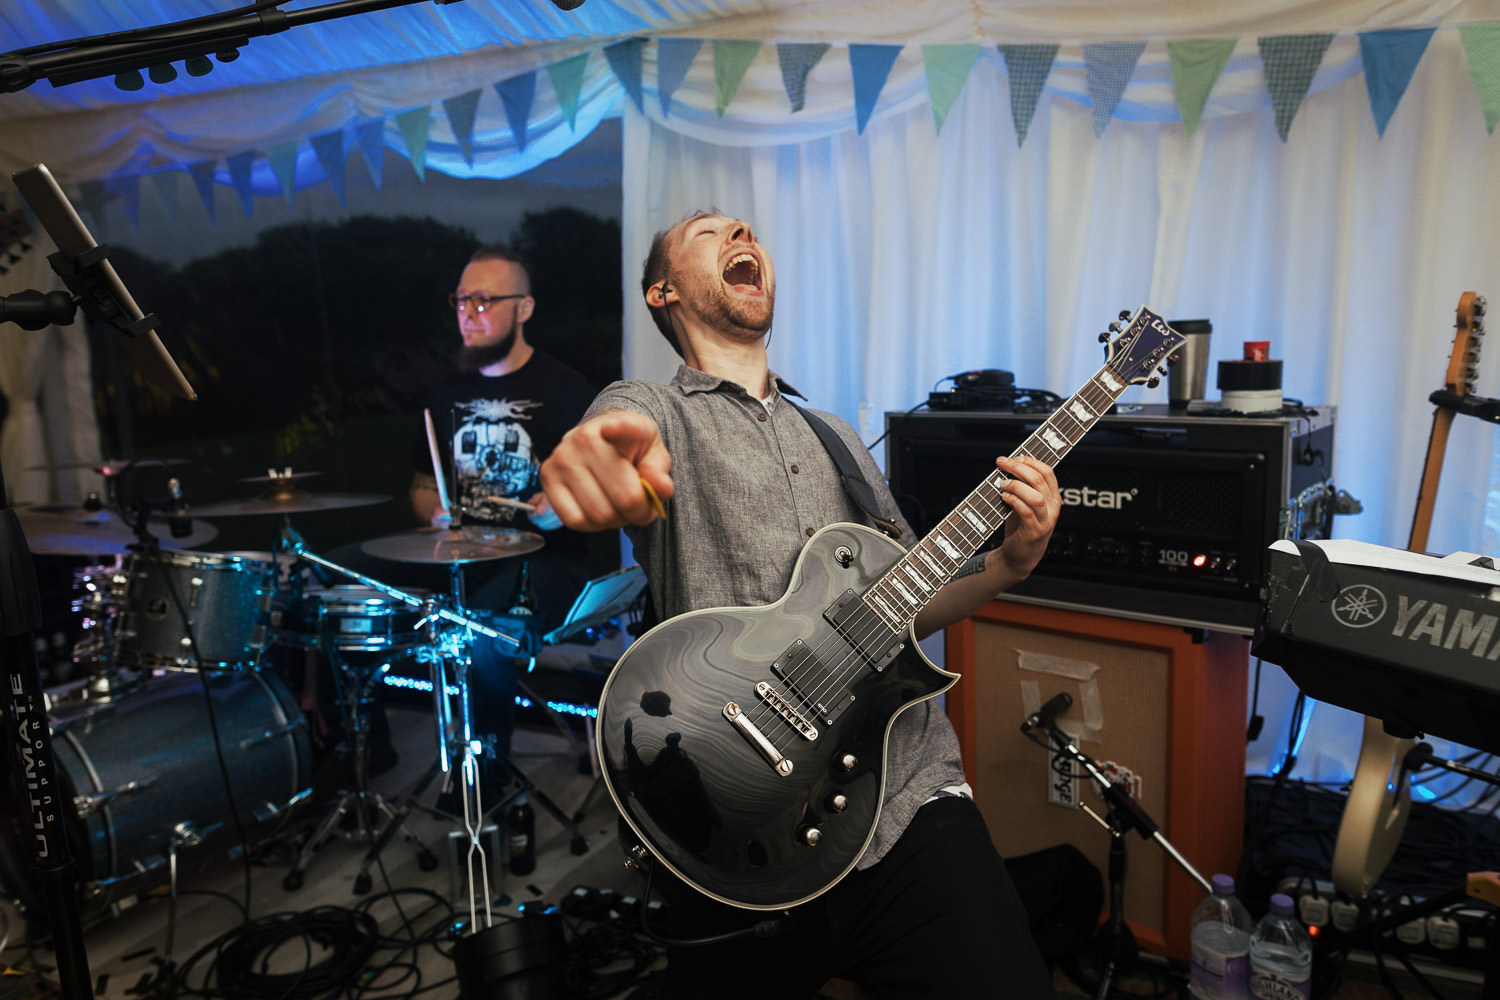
(176, 737)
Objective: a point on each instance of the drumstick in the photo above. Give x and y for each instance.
(437, 462)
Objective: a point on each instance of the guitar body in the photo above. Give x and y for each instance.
(701, 793)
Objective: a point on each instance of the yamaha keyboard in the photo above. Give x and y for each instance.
(1408, 638)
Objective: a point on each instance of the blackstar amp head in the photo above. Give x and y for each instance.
(1166, 514)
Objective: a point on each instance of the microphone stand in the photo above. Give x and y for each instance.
(1123, 815)
(33, 772)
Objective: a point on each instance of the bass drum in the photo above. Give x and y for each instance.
(144, 771)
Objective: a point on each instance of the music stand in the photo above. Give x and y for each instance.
(601, 599)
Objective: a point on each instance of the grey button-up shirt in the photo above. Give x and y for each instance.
(750, 488)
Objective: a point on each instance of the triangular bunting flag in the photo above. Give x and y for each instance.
(1482, 50)
(1390, 58)
(947, 68)
(567, 80)
(129, 190)
(674, 56)
(871, 65)
(165, 182)
(329, 149)
(1108, 66)
(731, 61)
(1196, 67)
(413, 128)
(369, 138)
(202, 174)
(516, 95)
(461, 111)
(283, 160)
(92, 194)
(797, 60)
(1290, 61)
(239, 178)
(1028, 66)
(624, 59)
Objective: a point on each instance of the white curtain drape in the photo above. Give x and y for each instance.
(44, 377)
(904, 255)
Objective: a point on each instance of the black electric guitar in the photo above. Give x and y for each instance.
(746, 746)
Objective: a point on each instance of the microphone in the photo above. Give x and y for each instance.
(1048, 713)
(177, 514)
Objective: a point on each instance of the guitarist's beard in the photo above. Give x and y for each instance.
(472, 358)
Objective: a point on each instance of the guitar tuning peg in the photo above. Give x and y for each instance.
(1115, 326)
(1103, 338)
(1153, 382)
(1162, 370)
(1124, 314)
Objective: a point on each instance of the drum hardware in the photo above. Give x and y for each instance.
(87, 805)
(453, 545)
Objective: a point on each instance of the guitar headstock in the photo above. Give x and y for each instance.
(1139, 354)
(1463, 360)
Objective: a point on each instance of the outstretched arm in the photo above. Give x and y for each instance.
(593, 478)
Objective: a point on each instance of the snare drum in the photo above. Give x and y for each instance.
(143, 768)
(353, 619)
(226, 600)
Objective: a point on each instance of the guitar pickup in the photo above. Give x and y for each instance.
(812, 682)
(864, 631)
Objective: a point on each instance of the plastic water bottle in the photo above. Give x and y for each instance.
(520, 828)
(1221, 945)
(1280, 954)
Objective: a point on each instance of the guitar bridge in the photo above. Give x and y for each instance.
(784, 708)
(757, 739)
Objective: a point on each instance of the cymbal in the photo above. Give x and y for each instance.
(287, 500)
(54, 529)
(471, 543)
(280, 477)
(110, 466)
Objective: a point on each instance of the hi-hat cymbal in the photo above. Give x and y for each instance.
(57, 530)
(284, 500)
(472, 543)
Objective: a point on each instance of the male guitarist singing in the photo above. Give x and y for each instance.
(719, 481)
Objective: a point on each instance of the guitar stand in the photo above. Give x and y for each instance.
(1115, 943)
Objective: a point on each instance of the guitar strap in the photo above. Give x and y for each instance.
(854, 481)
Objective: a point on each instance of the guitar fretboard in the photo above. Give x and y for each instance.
(899, 595)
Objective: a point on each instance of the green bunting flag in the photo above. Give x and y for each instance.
(731, 61)
(1290, 62)
(369, 137)
(413, 128)
(1028, 66)
(1196, 67)
(947, 67)
(567, 81)
(1482, 50)
(283, 160)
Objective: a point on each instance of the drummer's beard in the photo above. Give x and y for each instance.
(471, 358)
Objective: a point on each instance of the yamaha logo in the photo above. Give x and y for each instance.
(1358, 606)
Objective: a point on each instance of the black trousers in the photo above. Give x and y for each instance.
(938, 917)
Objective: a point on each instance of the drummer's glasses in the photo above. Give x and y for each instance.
(481, 303)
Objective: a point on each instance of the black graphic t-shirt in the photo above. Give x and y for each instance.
(494, 433)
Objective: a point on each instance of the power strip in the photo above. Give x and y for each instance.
(1456, 936)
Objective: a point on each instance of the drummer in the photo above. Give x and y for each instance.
(494, 423)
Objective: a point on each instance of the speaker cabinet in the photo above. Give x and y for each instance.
(1162, 704)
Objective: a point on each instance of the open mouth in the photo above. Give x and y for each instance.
(743, 272)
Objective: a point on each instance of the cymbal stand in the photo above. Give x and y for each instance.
(1123, 815)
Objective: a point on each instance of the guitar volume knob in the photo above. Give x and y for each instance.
(847, 762)
(811, 836)
(838, 802)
